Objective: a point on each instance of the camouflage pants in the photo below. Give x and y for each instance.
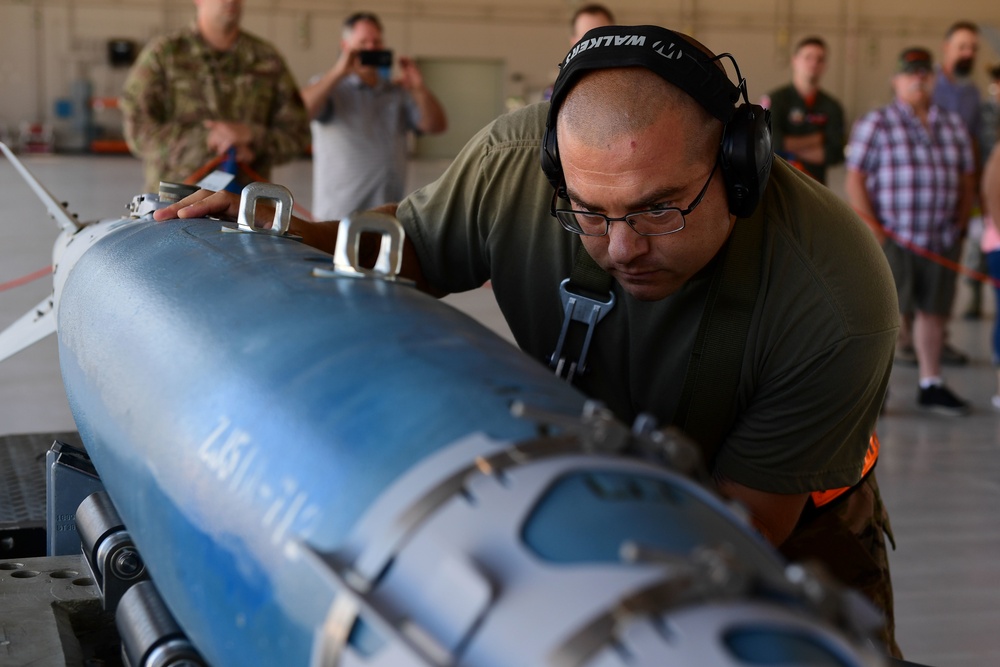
(848, 537)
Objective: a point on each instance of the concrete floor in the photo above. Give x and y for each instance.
(940, 477)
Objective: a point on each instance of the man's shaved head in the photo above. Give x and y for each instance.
(609, 103)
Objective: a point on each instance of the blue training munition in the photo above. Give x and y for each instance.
(320, 465)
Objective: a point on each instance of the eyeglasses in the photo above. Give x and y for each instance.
(654, 222)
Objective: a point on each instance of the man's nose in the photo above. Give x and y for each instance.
(624, 244)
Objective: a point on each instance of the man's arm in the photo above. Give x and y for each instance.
(223, 135)
(433, 119)
(319, 235)
(806, 147)
(990, 186)
(773, 514)
(314, 95)
(966, 197)
(819, 378)
(860, 201)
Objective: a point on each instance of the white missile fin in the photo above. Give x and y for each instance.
(59, 213)
(30, 328)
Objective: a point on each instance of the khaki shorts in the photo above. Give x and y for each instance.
(922, 284)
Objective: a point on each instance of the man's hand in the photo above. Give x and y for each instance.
(348, 62)
(314, 95)
(432, 116)
(808, 147)
(320, 235)
(223, 135)
(204, 203)
(409, 74)
(225, 206)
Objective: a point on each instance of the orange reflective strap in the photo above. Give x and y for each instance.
(821, 498)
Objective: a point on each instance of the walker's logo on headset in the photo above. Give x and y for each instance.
(671, 53)
(607, 40)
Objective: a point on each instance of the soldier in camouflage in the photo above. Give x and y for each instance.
(208, 89)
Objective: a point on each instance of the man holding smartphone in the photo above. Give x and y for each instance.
(361, 119)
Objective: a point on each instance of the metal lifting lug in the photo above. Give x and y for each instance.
(278, 194)
(347, 255)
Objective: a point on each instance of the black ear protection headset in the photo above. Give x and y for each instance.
(745, 152)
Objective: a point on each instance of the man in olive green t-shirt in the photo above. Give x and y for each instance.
(643, 189)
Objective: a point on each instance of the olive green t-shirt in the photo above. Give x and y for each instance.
(822, 333)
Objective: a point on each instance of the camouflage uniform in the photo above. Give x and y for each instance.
(848, 537)
(180, 81)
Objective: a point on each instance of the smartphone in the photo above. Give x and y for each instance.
(376, 58)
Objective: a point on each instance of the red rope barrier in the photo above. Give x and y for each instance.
(200, 173)
(24, 280)
(932, 256)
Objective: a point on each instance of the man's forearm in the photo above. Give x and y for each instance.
(433, 119)
(857, 196)
(966, 197)
(774, 515)
(314, 95)
(808, 147)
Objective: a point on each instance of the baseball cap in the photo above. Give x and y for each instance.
(914, 59)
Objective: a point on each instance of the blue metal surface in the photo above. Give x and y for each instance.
(234, 405)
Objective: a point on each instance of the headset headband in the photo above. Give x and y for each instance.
(663, 51)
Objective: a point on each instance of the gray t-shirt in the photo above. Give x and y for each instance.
(359, 143)
(822, 333)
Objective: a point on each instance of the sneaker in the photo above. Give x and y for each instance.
(906, 355)
(952, 357)
(938, 398)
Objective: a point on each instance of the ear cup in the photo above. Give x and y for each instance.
(746, 157)
(551, 166)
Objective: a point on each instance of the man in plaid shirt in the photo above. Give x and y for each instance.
(911, 176)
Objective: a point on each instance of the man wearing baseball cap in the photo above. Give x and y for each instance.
(910, 174)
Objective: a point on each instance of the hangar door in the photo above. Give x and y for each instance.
(471, 91)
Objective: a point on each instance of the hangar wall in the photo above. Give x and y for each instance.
(46, 46)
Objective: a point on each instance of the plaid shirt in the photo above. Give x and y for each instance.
(913, 173)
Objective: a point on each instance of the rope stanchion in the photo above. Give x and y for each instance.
(24, 280)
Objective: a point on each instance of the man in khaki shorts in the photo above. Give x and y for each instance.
(910, 174)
